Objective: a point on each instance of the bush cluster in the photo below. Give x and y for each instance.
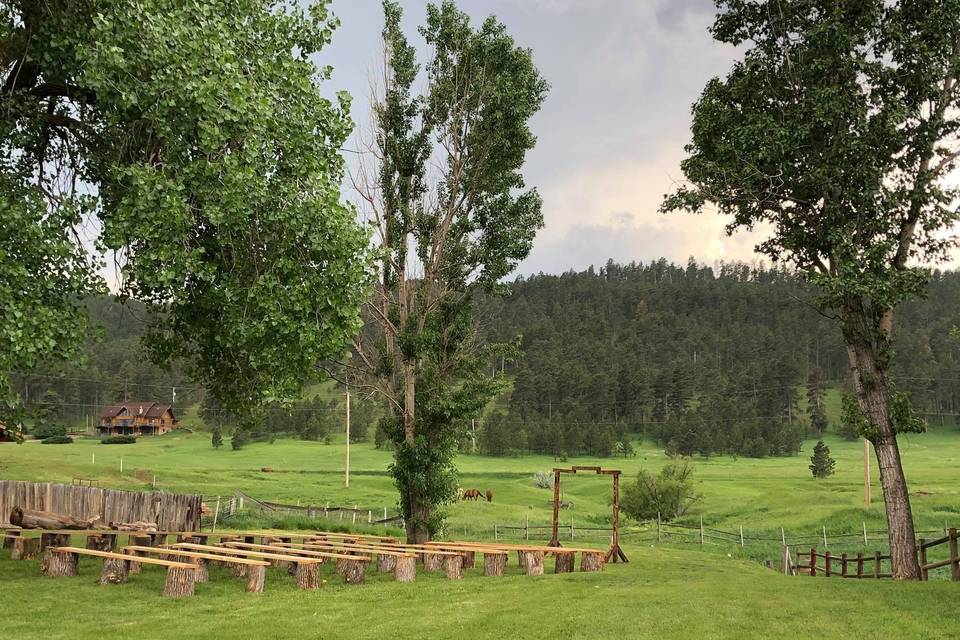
(119, 440)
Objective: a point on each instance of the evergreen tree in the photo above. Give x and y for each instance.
(216, 438)
(821, 464)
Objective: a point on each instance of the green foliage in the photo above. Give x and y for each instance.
(44, 430)
(543, 480)
(821, 464)
(669, 494)
(57, 440)
(119, 440)
(215, 160)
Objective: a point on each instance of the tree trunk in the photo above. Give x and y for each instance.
(54, 540)
(564, 562)
(386, 563)
(592, 561)
(494, 562)
(115, 571)
(25, 548)
(521, 560)
(406, 568)
(59, 563)
(533, 563)
(308, 577)
(868, 351)
(179, 582)
(453, 567)
(417, 525)
(469, 559)
(255, 579)
(29, 519)
(100, 543)
(202, 574)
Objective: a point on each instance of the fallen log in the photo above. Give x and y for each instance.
(139, 526)
(30, 519)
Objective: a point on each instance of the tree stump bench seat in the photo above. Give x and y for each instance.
(387, 558)
(24, 548)
(63, 561)
(352, 568)
(256, 569)
(307, 574)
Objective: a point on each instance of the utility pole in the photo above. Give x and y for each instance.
(866, 472)
(346, 468)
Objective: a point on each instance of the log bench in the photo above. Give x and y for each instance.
(256, 569)
(386, 557)
(62, 561)
(352, 568)
(308, 577)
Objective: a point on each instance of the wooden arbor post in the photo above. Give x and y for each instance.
(615, 553)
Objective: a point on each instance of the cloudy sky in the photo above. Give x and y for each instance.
(623, 75)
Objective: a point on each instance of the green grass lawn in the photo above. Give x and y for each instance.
(670, 590)
(662, 593)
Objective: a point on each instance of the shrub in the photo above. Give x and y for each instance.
(119, 440)
(57, 440)
(48, 430)
(543, 480)
(670, 493)
(821, 464)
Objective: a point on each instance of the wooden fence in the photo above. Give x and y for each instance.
(170, 511)
(840, 566)
(950, 540)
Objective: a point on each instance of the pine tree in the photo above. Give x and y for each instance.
(821, 464)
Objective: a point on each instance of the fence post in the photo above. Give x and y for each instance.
(859, 565)
(783, 537)
(813, 561)
(865, 541)
(354, 514)
(828, 561)
(384, 513)
(741, 536)
(571, 527)
(843, 565)
(216, 513)
(785, 563)
(495, 532)
(370, 516)
(701, 529)
(954, 556)
(923, 560)
(877, 565)
(526, 527)
(658, 527)
(825, 545)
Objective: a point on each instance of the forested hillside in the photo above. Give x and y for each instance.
(729, 359)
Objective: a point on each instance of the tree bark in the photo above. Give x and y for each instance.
(239, 570)
(29, 519)
(59, 563)
(8, 542)
(202, 574)
(453, 567)
(386, 563)
(308, 577)
(868, 346)
(353, 571)
(432, 561)
(533, 563)
(256, 576)
(100, 543)
(564, 562)
(139, 541)
(494, 562)
(469, 559)
(406, 569)
(179, 583)
(25, 548)
(115, 571)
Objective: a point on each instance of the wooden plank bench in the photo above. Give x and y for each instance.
(433, 559)
(62, 561)
(306, 568)
(256, 569)
(403, 564)
(352, 568)
(530, 557)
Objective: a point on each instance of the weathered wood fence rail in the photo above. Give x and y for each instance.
(170, 511)
(953, 561)
(841, 566)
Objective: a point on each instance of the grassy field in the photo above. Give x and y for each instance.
(669, 590)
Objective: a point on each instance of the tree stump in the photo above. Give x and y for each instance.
(179, 582)
(239, 570)
(592, 561)
(494, 562)
(158, 539)
(292, 569)
(139, 541)
(521, 561)
(353, 571)
(54, 540)
(533, 563)
(386, 563)
(469, 559)
(256, 576)
(564, 561)
(25, 548)
(59, 563)
(8, 542)
(100, 543)
(115, 571)
(405, 568)
(453, 567)
(307, 575)
(202, 573)
(432, 561)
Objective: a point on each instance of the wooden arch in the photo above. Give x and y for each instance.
(615, 553)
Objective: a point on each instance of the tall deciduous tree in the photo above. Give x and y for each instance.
(452, 217)
(837, 129)
(192, 139)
